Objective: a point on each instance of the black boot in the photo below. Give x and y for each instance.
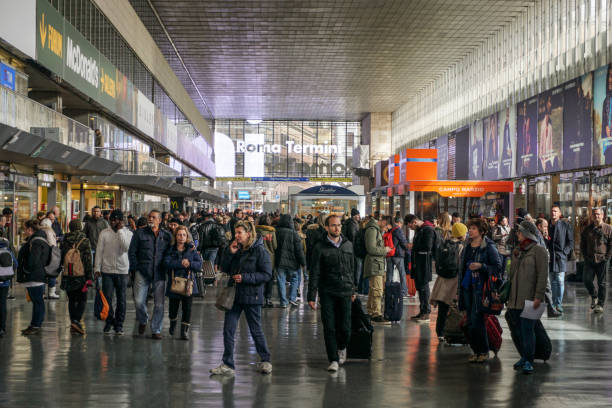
(184, 330)
(172, 327)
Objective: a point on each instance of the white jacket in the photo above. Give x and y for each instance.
(112, 251)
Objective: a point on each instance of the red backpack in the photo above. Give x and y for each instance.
(388, 240)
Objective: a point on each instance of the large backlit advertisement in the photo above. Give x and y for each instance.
(462, 153)
(577, 122)
(491, 148)
(506, 119)
(527, 137)
(475, 151)
(442, 146)
(602, 116)
(550, 130)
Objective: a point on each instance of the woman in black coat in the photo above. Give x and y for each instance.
(33, 256)
(182, 260)
(248, 262)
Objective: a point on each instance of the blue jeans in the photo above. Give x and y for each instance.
(210, 254)
(527, 333)
(253, 317)
(52, 282)
(557, 284)
(38, 305)
(357, 272)
(479, 342)
(141, 289)
(284, 275)
(112, 282)
(399, 262)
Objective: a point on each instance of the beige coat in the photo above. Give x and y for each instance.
(445, 289)
(528, 274)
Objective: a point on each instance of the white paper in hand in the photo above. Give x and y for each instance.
(533, 314)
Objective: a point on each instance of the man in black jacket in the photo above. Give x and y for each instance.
(332, 277)
(423, 246)
(238, 216)
(397, 260)
(211, 238)
(560, 246)
(288, 258)
(351, 232)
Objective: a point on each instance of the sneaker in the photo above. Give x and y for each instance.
(119, 332)
(598, 309)
(53, 294)
(333, 367)
(473, 358)
(76, 326)
(559, 309)
(527, 368)
(423, 319)
(482, 358)
(222, 370)
(554, 313)
(416, 317)
(265, 367)
(341, 356)
(156, 336)
(107, 328)
(31, 330)
(593, 303)
(293, 303)
(283, 306)
(519, 364)
(380, 319)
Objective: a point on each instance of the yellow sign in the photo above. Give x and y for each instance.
(55, 43)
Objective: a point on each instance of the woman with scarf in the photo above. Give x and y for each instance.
(528, 277)
(480, 261)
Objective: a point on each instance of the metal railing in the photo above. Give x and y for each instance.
(136, 163)
(28, 115)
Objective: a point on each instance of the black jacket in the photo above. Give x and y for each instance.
(399, 242)
(289, 251)
(147, 252)
(314, 233)
(487, 255)
(560, 245)
(351, 229)
(33, 258)
(256, 269)
(331, 269)
(211, 235)
(423, 246)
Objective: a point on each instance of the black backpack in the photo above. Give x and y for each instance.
(359, 248)
(447, 259)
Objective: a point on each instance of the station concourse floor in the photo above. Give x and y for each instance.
(409, 368)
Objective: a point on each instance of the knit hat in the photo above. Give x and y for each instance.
(529, 230)
(459, 230)
(354, 212)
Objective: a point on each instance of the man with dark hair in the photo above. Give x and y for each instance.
(456, 217)
(331, 275)
(423, 247)
(350, 230)
(374, 266)
(238, 216)
(560, 246)
(112, 264)
(94, 226)
(211, 238)
(146, 254)
(596, 248)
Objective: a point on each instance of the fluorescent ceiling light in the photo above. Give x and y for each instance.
(253, 121)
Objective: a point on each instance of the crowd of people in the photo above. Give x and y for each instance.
(480, 267)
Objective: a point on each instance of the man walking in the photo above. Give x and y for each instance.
(596, 248)
(212, 237)
(289, 258)
(112, 263)
(423, 247)
(94, 226)
(331, 275)
(351, 232)
(146, 254)
(374, 266)
(560, 246)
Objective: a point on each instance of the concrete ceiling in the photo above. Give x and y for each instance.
(315, 59)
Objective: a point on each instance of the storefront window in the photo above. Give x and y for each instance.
(26, 194)
(539, 196)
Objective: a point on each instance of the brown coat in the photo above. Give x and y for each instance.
(528, 274)
(268, 234)
(596, 243)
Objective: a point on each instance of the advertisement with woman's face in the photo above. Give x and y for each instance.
(476, 147)
(527, 138)
(507, 138)
(491, 148)
(602, 116)
(550, 130)
(577, 123)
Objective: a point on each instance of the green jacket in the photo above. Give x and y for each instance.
(374, 264)
(528, 274)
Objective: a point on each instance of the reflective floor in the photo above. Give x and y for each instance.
(409, 366)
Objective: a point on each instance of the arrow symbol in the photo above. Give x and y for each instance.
(43, 31)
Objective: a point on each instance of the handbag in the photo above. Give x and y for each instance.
(181, 286)
(226, 293)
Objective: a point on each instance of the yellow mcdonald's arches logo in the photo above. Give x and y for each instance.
(43, 31)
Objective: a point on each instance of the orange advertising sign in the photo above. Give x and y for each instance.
(418, 164)
(394, 169)
(461, 188)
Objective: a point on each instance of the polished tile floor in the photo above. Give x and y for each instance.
(409, 367)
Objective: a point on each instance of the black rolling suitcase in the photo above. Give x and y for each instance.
(543, 347)
(360, 345)
(394, 302)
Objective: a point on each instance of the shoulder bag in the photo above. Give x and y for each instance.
(226, 293)
(181, 286)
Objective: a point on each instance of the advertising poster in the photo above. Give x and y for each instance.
(442, 146)
(550, 130)
(577, 122)
(527, 137)
(462, 153)
(602, 116)
(475, 151)
(506, 119)
(491, 148)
